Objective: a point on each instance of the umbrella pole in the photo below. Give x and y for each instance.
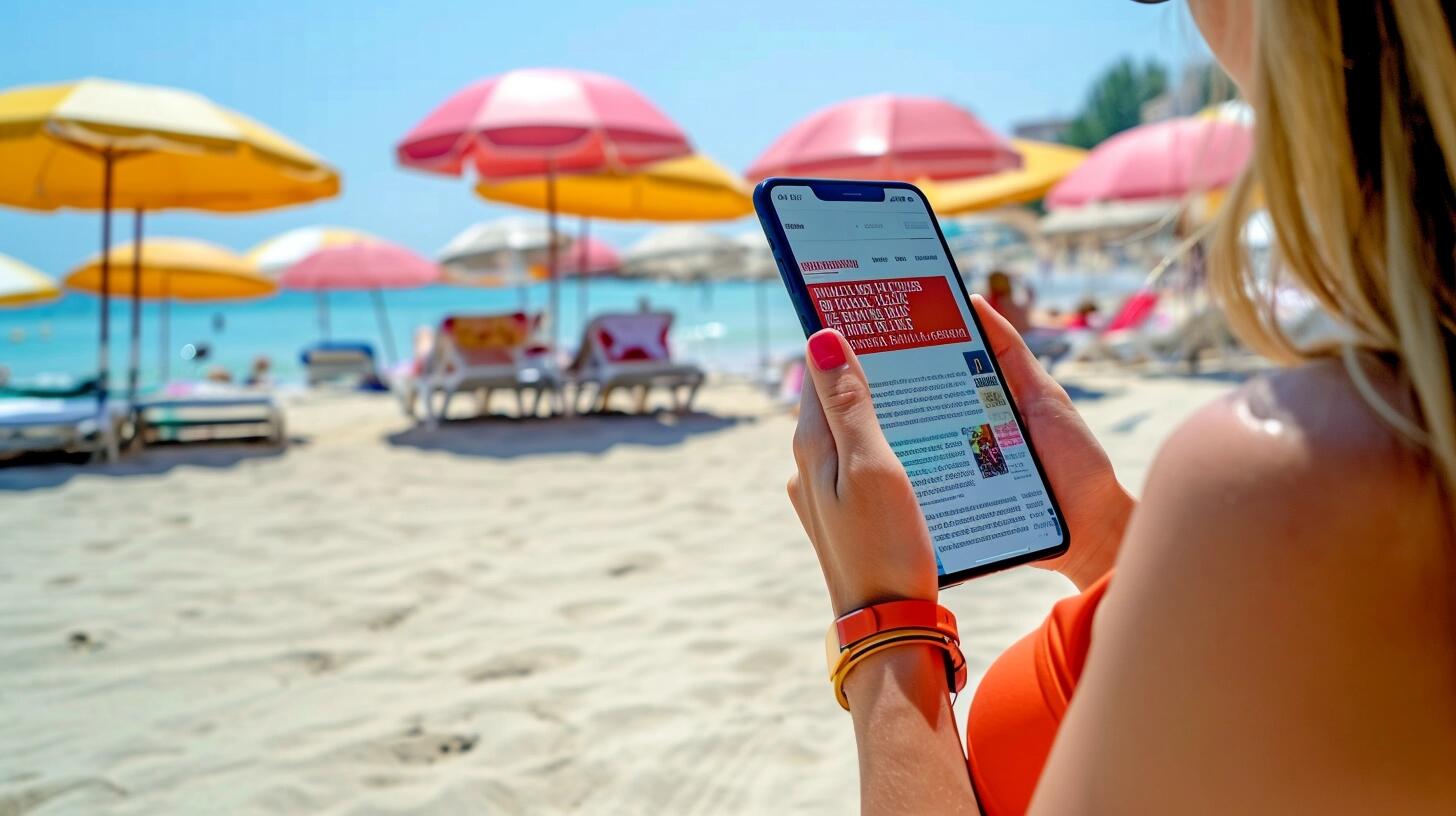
(103, 364)
(582, 271)
(164, 320)
(383, 318)
(323, 312)
(134, 374)
(551, 270)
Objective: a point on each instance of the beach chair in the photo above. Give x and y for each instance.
(482, 354)
(333, 361)
(1127, 336)
(631, 350)
(204, 411)
(74, 424)
(1147, 328)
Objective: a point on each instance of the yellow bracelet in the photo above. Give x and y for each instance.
(882, 641)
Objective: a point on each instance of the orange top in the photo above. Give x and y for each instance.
(1021, 701)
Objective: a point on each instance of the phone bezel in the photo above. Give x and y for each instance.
(808, 318)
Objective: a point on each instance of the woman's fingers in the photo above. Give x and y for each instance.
(1024, 375)
(843, 395)
(814, 452)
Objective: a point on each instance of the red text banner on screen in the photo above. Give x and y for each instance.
(891, 314)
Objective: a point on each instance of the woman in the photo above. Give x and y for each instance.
(1280, 632)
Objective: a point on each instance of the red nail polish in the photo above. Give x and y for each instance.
(828, 354)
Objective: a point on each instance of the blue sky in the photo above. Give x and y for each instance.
(347, 79)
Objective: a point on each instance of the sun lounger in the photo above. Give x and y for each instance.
(189, 412)
(1147, 328)
(49, 386)
(481, 354)
(339, 362)
(36, 424)
(1128, 335)
(630, 350)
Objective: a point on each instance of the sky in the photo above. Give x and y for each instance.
(348, 79)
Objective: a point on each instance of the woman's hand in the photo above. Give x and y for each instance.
(1096, 507)
(851, 493)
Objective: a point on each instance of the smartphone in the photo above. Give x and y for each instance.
(868, 258)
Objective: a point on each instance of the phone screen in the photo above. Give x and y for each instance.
(878, 271)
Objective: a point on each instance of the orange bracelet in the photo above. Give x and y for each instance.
(844, 661)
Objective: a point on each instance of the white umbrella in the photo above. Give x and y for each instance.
(22, 285)
(682, 254)
(502, 248)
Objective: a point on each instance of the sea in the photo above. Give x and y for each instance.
(734, 327)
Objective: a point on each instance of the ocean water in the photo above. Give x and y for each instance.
(717, 324)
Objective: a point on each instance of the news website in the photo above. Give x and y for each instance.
(877, 272)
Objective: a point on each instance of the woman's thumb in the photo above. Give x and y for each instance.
(843, 391)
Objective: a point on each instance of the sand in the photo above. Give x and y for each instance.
(610, 615)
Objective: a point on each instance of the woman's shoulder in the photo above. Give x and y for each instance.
(1296, 472)
(1303, 442)
(1289, 555)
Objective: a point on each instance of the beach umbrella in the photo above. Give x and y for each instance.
(278, 253)
(23, 285)
(325, 259)
(590, 257)
(502, 252)
(1043, 164)
(887, 137)
(102, 144)
(171, 268)
(1161, 160)
(542, 122)
(691, 188)
(682, 253)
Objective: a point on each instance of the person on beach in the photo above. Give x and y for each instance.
(1272, 627)
(1002, 297)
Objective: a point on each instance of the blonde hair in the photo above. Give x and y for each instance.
(1355, 157)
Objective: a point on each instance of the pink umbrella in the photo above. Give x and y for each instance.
(370, 264)
(1168, 159)
(542, 121)
(590, 256)
(888, 137)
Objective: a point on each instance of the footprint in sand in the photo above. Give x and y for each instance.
(317, 661)
(522, 664)
(389, 618)
(633, 564)
(82, 641)
(419, 747)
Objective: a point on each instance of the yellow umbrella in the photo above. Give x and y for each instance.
(181, 268)
(1043, 165)
(170, 268)
(22, 285)
(170, 149)
(101, 144)
(692, 188)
